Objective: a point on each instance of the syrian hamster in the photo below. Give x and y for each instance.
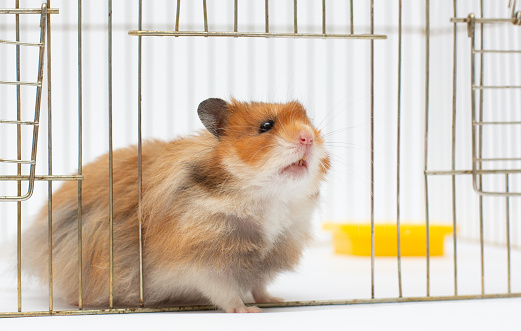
(223, 212)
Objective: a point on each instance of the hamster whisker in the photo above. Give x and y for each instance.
(342, 144)
(337, 131)
(269, 145)
(331, 115)
(283, 129)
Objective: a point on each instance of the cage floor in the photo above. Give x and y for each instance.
(325, 276)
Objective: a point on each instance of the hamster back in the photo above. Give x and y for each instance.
(223, 212)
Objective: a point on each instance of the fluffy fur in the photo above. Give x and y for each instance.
(223, 212)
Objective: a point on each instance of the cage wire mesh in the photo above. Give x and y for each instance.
(419, 103)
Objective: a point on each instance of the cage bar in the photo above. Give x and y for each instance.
(485, 87)
(19, 156)
(497, 51)
(42, 177)
(19, 122)
(372, 152)
(262, 305)
(80, 154)
(507, 213)
(426, 143)
(351, 18)
(178, 12)
(480, 172)
(453, 154)
(235, 16)
(481, 20)
(49, 158)
(140, 171)
(20, 83)
(323, 16)
(205, 14)
(17, 161)
(111, 162)
(398, 144)
(24, 11)
(496, 123)
(295, 17)
(236, 34)
(21, 43)
(267, 16)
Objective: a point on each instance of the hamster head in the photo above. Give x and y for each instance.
(266, 145)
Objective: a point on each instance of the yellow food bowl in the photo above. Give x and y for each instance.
(355, 239)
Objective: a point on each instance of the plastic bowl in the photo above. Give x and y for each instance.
(355, 239)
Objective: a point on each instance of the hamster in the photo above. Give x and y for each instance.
(223, 212)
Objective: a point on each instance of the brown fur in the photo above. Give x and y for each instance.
(203, 214)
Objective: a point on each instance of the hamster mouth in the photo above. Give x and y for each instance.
(297, 168)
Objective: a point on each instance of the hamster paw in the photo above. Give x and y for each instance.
(244, 309)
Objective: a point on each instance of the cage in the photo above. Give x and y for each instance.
(419, 102)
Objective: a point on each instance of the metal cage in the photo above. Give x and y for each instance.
(504, 169)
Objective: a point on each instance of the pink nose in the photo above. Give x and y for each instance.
(306, 138)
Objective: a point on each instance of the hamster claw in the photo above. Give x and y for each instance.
(244, 309)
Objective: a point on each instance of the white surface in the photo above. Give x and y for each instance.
(469, 315)
(323, 276)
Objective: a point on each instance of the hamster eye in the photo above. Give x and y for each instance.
(266, 126)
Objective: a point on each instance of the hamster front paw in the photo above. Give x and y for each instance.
(244, 309)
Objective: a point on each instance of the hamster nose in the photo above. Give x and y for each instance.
(306, 138)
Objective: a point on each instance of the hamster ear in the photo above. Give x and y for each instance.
(212, 113)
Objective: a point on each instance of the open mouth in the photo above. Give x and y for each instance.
(297, 168)
(300, 163)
